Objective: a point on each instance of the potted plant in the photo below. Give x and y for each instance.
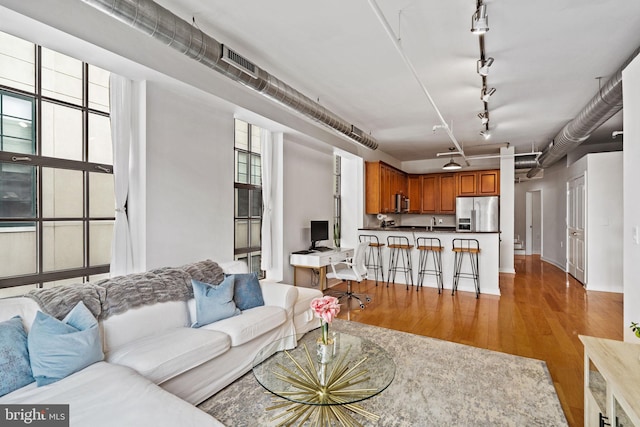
(635, 328)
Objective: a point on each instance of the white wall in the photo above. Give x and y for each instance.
(308, 190)
(604, 222)
(507, 210)
(631, 206)
(189, 178)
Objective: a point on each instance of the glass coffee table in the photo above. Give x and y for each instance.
(323, 393)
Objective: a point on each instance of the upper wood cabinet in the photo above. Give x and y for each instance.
(479, 183)
(430, 193)
(439, 193)
(382, 183)
(433, 193)
(414, 191)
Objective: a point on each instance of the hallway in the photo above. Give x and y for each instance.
(540, 313)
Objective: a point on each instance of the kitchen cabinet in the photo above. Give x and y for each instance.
(479, 183)
(611, 382)
(414, 191)
(382, 183)
(439, 193)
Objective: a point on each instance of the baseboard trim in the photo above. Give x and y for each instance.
(552, 262)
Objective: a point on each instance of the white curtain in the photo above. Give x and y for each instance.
(266, 144)
(120, 98)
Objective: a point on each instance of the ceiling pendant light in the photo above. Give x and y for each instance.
(483, 66)
(451, 165)
(486, 94)
(480, 20)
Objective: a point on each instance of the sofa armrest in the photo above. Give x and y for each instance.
(279, 294)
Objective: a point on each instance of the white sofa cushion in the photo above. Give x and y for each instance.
(166, 355)
(106, 395)
(303, 318)
(140, 322)
(24, 307)
(250, 324)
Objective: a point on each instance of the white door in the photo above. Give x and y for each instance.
(576, 211)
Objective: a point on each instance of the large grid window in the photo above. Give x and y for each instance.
(56, 179)
(337, 202)
(248, 195)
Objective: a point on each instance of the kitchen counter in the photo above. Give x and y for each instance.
(488, 259)
(412, 228)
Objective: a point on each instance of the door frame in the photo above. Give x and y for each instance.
(529, 207)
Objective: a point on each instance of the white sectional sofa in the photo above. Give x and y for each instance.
(157, 367)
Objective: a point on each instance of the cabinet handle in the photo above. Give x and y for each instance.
(603, 420)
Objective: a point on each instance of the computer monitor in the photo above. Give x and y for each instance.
(319, 232)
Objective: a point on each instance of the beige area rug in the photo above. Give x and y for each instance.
(437, 383)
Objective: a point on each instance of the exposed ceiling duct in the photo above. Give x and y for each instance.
(605, 103)
(526, 162)
(164, 26)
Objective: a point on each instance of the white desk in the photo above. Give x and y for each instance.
(318, 261)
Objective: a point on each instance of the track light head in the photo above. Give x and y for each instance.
(485, 94)
(485, 134)
(480, 20)
(483, 66)
(484, 117)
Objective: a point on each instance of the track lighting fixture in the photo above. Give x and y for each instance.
(486, 94)
(486, 134)
(483, 66)
(484, 117)
(480, 20)
(451, 165)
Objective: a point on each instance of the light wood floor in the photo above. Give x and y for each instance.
(540, 313)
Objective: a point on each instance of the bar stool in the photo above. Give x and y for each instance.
(429, 246)
(472, 248)
(400, 248)
(374, 255)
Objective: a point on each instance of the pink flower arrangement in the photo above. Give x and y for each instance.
(325, 308)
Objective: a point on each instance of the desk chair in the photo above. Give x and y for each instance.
(350, 270)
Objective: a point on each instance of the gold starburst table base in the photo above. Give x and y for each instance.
(322, 398)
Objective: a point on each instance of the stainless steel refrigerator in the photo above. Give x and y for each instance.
(480, 214)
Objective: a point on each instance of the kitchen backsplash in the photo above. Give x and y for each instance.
(414, 219)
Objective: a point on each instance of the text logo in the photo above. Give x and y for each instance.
(34, 415)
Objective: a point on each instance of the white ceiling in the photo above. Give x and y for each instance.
(548, 56)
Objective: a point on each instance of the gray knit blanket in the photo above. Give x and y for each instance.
(116, 295)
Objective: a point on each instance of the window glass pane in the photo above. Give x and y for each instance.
(255, 263)
(72, 281)
(98, 88)
(100, 150)
(17, 124)
(62, 193)
(61, 132)
(255, 233)
(100, 235)
(61, 77)
(242, 234)
(256, 203)
(256, 170)
(255, 139)
(62, 245)
(242, 135)
(17, 191)
(101, 195)
(17, 63)
(242, 167)
(242, 203)
(16, 291)
(17, 249)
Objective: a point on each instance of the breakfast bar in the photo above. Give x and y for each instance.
(488, 258)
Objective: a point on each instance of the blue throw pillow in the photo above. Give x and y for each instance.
(247, 293)
(15, 371)
(59, 348)
(213, 302)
